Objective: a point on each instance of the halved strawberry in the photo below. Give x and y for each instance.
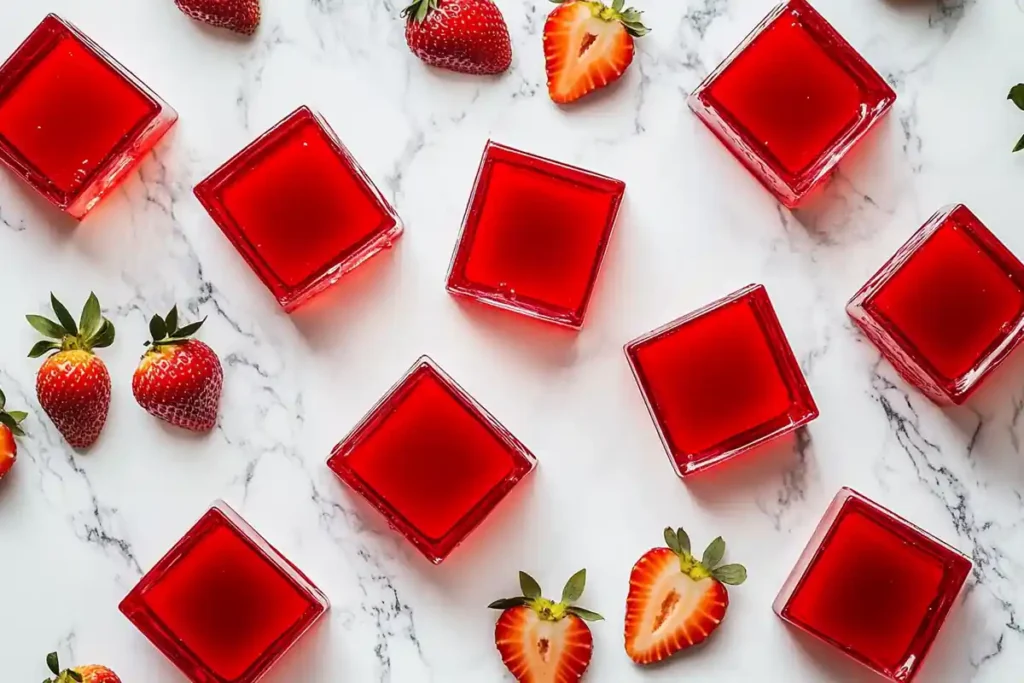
(676, 601)
(587, 45)
(542, 641)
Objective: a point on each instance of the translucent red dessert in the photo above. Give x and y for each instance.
(223, 604)
(534, 235)
(73, 121)
(299, 208)
(791, 100)
(431, 460)
(873, 585)
(947, 308)
(721, 380)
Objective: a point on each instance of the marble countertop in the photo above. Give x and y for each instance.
(78, 530)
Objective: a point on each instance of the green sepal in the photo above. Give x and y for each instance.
(1017, 95)
(418, 10)
(157, 328)
(1020, 145)
(730, 574)
(46, 327)
(43, 347)
(529, 586)
(583, 613)
(171, 319)
(92, 317)
(63, 316)
(509, 603)
(91, 331)
(574, 587)
(53, 664)
(713, 554)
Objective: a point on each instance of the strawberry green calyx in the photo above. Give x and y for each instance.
(11, 419)
(419, 10)
(65, 676)
(1017, 97)
(630, 17)
(710, 564)
(165, 331)
(92, 331)
(550, 610)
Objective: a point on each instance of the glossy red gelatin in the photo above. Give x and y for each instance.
(947, 308)
(791, 100)
(534, 235)
(431, 460)
(223, 604)
(73, 121)
(299, 208)
(721, 380)
(873, 585)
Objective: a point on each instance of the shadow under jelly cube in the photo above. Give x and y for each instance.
(947, 308)
(223, 604)
(73, 121)
(721, 380)
(431, 460)
(298, 208)
(791, 100)
(874, 586)
(534, 235)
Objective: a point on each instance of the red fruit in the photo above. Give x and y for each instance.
(10, 426)
(241, 16)
(587, 45)
(469, 36)
(542, 641)
(676, 601)
(179, 379)
(86, 674)
(73, 385)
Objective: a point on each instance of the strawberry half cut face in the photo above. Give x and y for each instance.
(543, 641)
(676, 601)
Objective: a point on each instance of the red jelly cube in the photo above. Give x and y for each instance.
(721, 380)
(431, 460)
(873, 585)
(73, 121)
(534, 235)
(947, 308)
(223, 604)
(791, 100)
(299, 208)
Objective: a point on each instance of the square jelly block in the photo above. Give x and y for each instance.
(431, 460)
(534, 235)
(873, 585)
(299, 209)
(223, 604)
(791, 100)
(721, 380)
(947, 308)
(73, 121)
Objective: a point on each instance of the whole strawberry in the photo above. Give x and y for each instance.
(80, 674)
(469, 36)
(73, 384)
(675, 600)
(543, 641)
(179, 379)
(10, 427)
(241, 16)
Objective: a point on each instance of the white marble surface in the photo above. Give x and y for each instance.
(77, 530)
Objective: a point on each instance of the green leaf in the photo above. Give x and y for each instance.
(584, 614)
(422, 11)
(157, 328)
(714, 553)
(53, 664)
(43, 347)
(684, 539)
(3, 399)
(617, 5)
(75, 675)
(731, 574)
(508, 603)
(672, 541)
(189, 330)
(531, 588)
(63, 316)
(574, 587)
(91, 318)
(105, 337)
(8, 421)
(172, 320)
(45, 326)
(1020, 145)
(1017, 95)
(18, 415)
